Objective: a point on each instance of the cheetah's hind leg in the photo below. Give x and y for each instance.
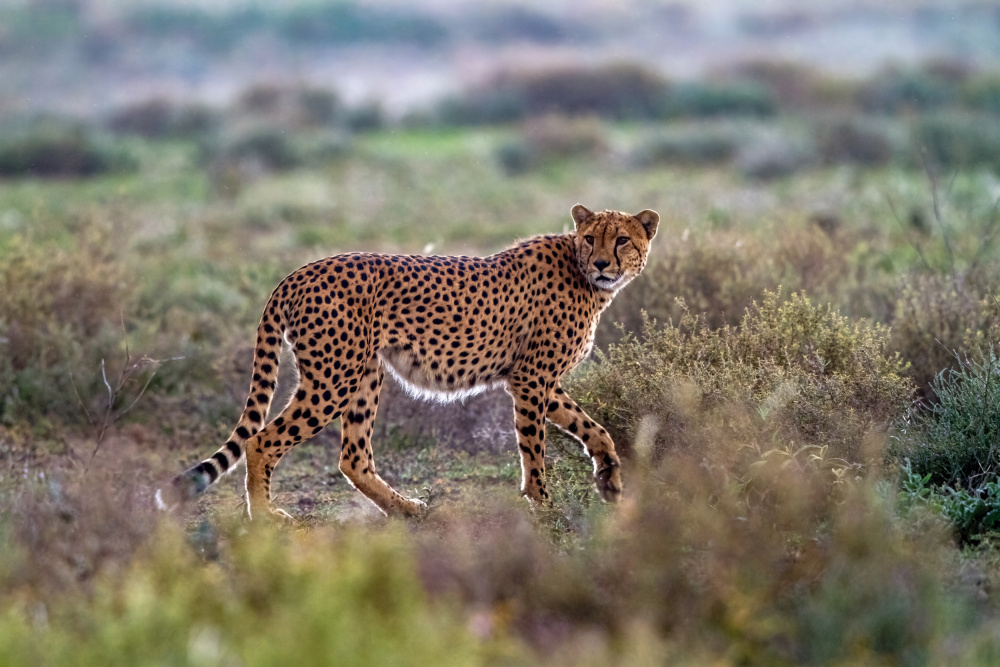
(357, 461)
(299, 421)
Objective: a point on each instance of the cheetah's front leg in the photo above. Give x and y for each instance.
(570, 417)
(530, 398)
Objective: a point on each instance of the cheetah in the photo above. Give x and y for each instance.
(444, 327)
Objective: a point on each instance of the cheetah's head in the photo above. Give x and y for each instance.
(611, 246)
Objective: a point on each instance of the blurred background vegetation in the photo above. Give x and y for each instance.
(804, 382)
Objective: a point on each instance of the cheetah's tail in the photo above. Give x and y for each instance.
(196, 479)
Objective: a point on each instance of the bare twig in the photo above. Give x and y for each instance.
(104, 376)
(142, 391)
(111, 417)
(129, 369)
(991, 228)
(936, 207)
(79, 400)
(913, 244)
(121, 314)
(986, 388)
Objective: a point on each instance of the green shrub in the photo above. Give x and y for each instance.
(816, 572)
(617, 91)
(55, 149)
(159, 118)
(366, 117)
(982, 93)
(894, 90)
(273, 149)
(476, 107)
(689, 145)
(774, 155)
(960, 141)
(549, 138)
(973, 514)
(289, 107)
(691, 569)
(791, 370)
(706, 100)
(718, 273)
(269, 148)
(793, 86)
(955, 438)
(515, 157)
(850, 141)
(934, 318)
(870, 606)
(60, 314)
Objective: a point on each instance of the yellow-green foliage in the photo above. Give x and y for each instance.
(935, 318)
(791, 368)
(301, 598)
(719, 273)
(60, 313)
(691, 569)
(751, 531)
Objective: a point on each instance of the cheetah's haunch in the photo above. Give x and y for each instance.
(444, 326)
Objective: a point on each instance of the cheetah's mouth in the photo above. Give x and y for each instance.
(604, 281)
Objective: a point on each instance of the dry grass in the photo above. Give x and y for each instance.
(761, 523)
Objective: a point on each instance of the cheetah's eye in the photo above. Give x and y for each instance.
(621, 240)
(589, 239)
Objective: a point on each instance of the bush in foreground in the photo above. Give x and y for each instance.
(691, 570)
(310, 599)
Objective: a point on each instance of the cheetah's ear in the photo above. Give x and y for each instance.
(649, 220)
(581, 214)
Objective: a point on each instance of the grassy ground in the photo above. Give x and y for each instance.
(763, 523)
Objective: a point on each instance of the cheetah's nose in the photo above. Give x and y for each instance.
(600, 264)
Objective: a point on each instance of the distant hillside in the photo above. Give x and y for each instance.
(89, 55)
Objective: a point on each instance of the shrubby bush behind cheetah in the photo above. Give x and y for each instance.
(444, 327)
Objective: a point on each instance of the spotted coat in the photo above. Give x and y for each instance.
(444, 327)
